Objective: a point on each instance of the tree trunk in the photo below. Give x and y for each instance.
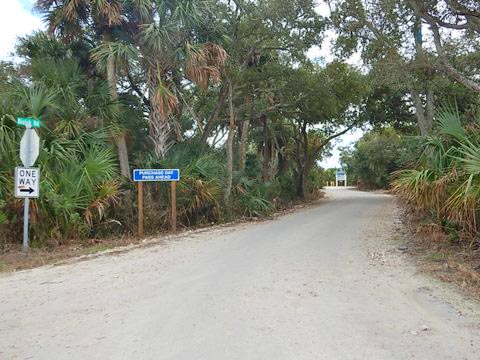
(231, 135)
(243, 145)
(301, 185)
(213, 117)
(120, 139)
(273, 168)
(304, 170)
(282, 160)
(429, 109)
(159, 126)
(122, 150)
(266, 149)
(177, 80)
(301, 161)
(420, 113)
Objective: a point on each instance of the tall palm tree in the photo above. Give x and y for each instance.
(69, 19)
(170, 52)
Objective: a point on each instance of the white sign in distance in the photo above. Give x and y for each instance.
(29, 147)
(341, 176)
(27, 182)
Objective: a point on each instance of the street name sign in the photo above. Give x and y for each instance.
(29, 147)
(27, 181)
(156, 175)
(29, 122)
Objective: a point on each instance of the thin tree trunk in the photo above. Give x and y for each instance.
(179, 109)
(231, 135)
(273, 160)
(244, 138)
(283, 163)
(420, 113)
(122, 149)
(266, 149)
(243, 145)
(424, 116)
(119, 139)
(303, 170)
(214, 117)
(429, 109)
(300, 160)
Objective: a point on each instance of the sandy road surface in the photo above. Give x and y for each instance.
(322, 283)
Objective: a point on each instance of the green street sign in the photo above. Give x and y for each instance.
(29, 122)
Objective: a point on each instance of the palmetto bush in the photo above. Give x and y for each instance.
(78, 166)
(78, 185)
(199, 193)
(250, 199)
(446, 182)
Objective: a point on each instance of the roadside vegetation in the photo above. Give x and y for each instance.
(225, 91)
(422, 107)
(221, 90)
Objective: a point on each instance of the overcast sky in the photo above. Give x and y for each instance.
(17, 19)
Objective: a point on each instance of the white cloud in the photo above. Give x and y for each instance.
(16, 19)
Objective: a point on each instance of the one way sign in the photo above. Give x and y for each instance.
(27, 182)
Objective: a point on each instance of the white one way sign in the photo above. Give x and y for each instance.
(27, 182)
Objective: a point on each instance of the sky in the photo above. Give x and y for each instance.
(18, 19)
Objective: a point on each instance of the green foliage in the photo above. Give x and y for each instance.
(446, 181)
(143, 84)
(249, 198)
(78, 167)
(377, 155)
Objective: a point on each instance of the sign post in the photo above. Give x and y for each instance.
(27, 179)
(140, 210)
(174, 205)
(153, 175)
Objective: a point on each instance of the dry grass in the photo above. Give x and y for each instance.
(454, 262)
(15, 259)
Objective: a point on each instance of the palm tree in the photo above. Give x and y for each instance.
(69, 19)
(169, 52)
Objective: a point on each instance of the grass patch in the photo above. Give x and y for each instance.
(98, 248)
(436, 257)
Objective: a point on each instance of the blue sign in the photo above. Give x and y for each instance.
(156, 175)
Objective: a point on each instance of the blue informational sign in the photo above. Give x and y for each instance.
(156, 175)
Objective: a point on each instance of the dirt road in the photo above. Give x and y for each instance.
(326, 282)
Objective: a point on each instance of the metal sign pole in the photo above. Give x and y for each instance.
(26, 202)
(26, 207)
